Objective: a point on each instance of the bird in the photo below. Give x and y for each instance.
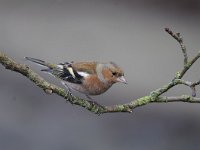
(89, 78)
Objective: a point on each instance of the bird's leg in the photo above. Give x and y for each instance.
(91, 100)
(66, 86)
(69, 90)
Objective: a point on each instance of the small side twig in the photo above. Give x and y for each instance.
(179, 38)
(192, 85)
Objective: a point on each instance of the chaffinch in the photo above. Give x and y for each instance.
(89, 78)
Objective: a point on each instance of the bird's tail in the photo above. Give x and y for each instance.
(41, 62)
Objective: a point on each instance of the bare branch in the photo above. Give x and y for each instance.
(183, 98)
(178, 37)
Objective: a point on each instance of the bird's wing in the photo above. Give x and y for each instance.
(74, 72)
(85, 67)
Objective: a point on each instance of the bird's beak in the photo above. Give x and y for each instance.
(122, 80)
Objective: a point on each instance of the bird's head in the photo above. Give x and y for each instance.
(112, 73)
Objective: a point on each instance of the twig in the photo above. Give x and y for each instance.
(178, 37)
(154, 97)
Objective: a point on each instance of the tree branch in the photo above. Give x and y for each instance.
(154, 97)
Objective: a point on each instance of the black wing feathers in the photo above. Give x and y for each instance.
(67, 76)
(63, 71)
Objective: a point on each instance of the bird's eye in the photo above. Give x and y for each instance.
(114, 73)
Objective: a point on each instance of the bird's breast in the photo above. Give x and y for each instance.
(94, 86)
(91, 86)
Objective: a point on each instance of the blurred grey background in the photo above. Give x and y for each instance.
(130, 33)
